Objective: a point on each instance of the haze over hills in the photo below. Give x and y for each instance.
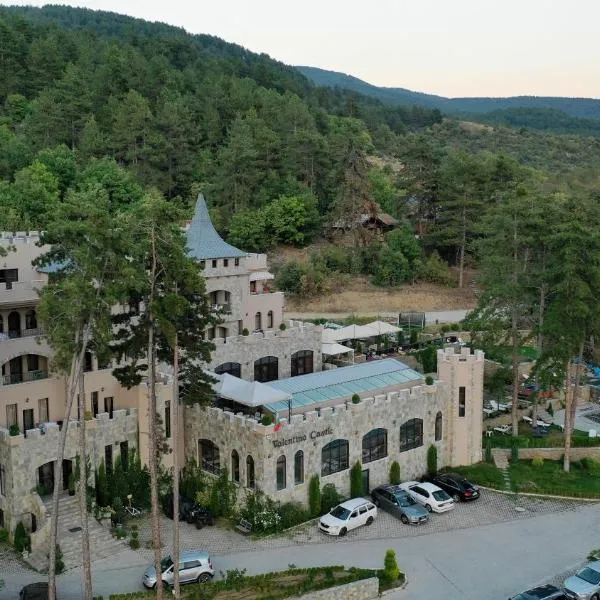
(585, 108)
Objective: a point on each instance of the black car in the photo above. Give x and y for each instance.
(34, 591)
(456, 486)
(543, 592)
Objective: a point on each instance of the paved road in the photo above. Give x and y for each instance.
(441, 316)
(478, 563)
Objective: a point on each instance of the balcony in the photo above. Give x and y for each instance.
(221, 309)
(16, 292)
(15, 378)
(23, 333)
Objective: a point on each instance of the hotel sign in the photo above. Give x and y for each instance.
(313, 435)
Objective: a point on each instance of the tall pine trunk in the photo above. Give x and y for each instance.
(175, 438)
(76, 367)
(515, 360)
(567, 426)
(463, 244)
(153, 450)
(571, 408)
(539, 346)
(85, 532)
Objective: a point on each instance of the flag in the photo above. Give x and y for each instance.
(277, 423)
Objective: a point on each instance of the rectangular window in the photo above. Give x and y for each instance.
(94, 404)
(202, 264)
(43, 410)
(168, 419)
(225, 262)
(2, 481)
(33, 363)
(11, 415)
(124, 455)
(28, 419)
(240, 327)
(237, 262)
(108, 406)
(108, 459)
(214, 264)
(461, 401)
(9, 276)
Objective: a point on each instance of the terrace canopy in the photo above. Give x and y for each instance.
(248, 393)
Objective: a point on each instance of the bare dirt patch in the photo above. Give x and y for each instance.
(360, 296)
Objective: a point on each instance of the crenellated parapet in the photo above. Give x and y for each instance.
(449, 355)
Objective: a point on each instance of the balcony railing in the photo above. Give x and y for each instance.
(21, 333)
(14, 378)
(222, 309)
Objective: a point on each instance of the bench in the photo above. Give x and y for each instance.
(244, 527)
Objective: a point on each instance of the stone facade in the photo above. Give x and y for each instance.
(21, 456)
(367, 589)
(311, 431)
(282, 344)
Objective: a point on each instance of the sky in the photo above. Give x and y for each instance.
(452, 48)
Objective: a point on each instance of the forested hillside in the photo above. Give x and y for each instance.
(98, 99)
(557, 115)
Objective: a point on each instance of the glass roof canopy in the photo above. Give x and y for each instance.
(325, 386)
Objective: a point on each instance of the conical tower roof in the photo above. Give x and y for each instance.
(203, 241)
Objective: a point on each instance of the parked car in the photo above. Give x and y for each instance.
(399, 503)
(429, 495)
(543, 592)
(194, 567)
(585, 584)
(34, 591)
(347, 516)
(457, 486)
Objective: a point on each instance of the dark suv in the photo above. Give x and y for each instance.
(543, 592)
(456, 486)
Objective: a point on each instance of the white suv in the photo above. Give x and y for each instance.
(429, 495)
(348, 515)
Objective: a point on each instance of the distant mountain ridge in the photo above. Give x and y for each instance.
(586, 108)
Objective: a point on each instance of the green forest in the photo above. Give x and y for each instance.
(99, 99)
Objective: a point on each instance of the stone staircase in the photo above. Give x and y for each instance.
(102, 543)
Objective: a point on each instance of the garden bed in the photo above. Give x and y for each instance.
(274, 586)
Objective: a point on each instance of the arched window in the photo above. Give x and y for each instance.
(266, 369)
(299, 467)
(270, 320)
(235, 466)
(30, 319)
(334, 457)
(374, 445)
(302, 362)
(438, 426)
(258, 321)
(232, 368)
(411, 434)
(281, 472)
(209, 456)
(250, 480)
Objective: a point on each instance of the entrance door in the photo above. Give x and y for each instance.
(67, 469)
(365, 481)
(27, 419)
(46, 477)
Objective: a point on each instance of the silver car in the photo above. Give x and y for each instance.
(397, 502)
(194, 567)
(585, 584)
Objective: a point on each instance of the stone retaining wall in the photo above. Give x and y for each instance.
(557, 453)
(367, 589)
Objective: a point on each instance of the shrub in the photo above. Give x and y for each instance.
(191, 480)
(134, 542)
(428, 358)
(59, 564)
(245, 332)
(14, 430)
(488, 451)
(435, 270)
(3, 535)
(414, 336)
(102, 498)
(282, 326)
(356, 482)
(514, 451)
(355, 399)
(21, 539)
(223, 495)
(87, 415)
(267, 419)
(391, 571)
(329, 498)
(395, 473)
(537, 462)
(314, 496)
(293, 513)
(550, 409)
(429, 380)
(261, 512)
(432, 460)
